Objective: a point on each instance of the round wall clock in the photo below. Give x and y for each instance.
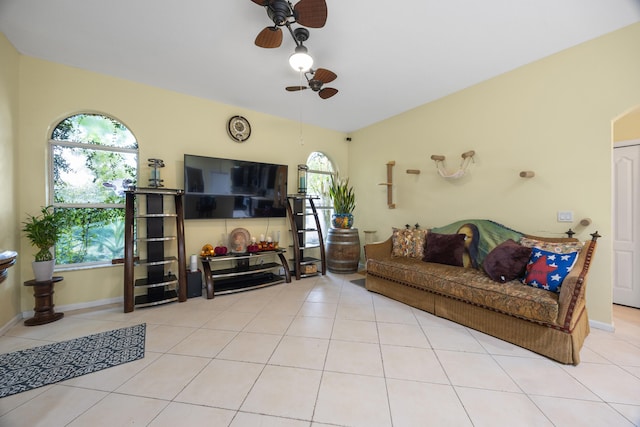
(239, 128)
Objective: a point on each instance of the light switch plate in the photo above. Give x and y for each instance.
(565, 216)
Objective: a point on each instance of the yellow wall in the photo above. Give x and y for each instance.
(553, 117)
(167, 125)
(10, 288)
(627, 127)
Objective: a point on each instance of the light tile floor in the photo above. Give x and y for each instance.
(325, 352)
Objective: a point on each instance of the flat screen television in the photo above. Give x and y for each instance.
(217, 188)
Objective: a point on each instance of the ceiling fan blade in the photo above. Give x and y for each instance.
(260, 2)
(311, 13)
(295, 88)
(324, 75)
(269, 38)
(327, 92)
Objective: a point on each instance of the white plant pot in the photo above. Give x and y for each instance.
(43, 270)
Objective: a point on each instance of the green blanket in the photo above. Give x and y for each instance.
(485, 235)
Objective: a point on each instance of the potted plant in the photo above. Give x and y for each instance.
(43, 231)
(344, 202)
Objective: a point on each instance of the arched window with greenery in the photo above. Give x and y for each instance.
(318, 178)
(94, 158)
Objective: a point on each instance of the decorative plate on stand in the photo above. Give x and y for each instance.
(239, 240)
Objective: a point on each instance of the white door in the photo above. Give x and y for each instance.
(626, 225)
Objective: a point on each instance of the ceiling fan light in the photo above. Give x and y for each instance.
(301, 60)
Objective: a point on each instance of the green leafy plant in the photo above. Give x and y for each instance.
(342, 195)
(43, 231)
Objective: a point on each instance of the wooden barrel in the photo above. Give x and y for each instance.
(343, 250)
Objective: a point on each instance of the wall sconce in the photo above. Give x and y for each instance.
(7, 259)
(527, 174)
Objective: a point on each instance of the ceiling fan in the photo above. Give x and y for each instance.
(308, 13)
(318, 78)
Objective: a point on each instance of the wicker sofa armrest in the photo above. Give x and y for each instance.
(572, 301)
(378, 250)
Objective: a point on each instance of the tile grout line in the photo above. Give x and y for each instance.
(326, 356)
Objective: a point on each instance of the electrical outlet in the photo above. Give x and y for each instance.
(565, 216)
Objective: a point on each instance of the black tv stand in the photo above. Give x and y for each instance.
(247, 271)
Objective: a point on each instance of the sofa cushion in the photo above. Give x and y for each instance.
(507, 261)
(469, 285)
(408, 242)
(546, 270)
(444, 248)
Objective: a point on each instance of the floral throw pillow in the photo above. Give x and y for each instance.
(408, 242)
(546, 270)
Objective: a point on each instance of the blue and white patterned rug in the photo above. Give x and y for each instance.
(36, 367)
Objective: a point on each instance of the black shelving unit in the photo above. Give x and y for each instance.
(299, 208)
(160, 285)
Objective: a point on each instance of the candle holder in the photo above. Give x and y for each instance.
(155, 165)
(302, 179)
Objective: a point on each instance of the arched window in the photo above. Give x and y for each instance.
(94, 158)
(318, 178)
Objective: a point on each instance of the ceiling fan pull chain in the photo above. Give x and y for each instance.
(300, 110)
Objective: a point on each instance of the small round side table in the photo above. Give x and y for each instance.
(43, 294)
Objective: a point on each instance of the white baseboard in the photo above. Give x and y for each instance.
(10, 324)
(78, 306)
(602, 326)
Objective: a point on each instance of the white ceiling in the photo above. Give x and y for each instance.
(390, 56)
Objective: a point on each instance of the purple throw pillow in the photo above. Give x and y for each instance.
(507, 261)
(444, 248)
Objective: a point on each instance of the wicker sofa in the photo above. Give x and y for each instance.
(551, 324)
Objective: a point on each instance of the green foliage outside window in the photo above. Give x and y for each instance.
(319, 177)
(91, 235)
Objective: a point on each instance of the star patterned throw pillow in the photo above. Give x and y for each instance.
(546, 270)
